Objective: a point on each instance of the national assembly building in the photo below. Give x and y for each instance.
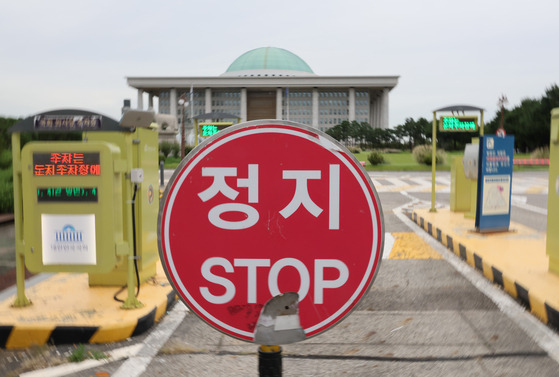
(267, 83)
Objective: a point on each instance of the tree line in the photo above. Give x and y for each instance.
(529, 122)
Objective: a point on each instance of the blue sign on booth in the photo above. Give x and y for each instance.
(494, 183)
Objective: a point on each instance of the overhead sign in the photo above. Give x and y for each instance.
(458, 123)
(263, 209)
(494, 183)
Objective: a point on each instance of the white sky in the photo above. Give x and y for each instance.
(77, 53)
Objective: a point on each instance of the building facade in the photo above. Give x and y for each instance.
(271, 83)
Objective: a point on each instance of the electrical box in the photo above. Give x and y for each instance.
(471, 160)
(72, 193)
(460, 187)
(85, 201)
(140, 188)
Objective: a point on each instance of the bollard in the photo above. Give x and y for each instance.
(269, 361)
(162, 173)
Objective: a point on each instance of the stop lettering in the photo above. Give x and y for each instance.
(266, 208)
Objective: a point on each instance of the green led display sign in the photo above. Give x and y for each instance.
(67, 194)
(209, 129)
(458, 124)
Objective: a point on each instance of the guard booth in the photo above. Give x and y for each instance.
(87, 206)
(463, 183)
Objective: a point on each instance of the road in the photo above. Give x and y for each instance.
(426, 314)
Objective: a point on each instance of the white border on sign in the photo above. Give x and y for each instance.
(318, 140)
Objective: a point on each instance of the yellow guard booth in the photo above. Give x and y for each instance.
(87, 206)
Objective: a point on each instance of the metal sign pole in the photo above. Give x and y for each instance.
(269, 361)
(433, 162)
(21, 300)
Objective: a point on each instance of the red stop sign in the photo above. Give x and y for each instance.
(265, 208)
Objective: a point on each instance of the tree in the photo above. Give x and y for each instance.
(530, 121)
(5, 138)
(413, 132)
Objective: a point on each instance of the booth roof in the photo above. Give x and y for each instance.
(460, 108)
(28, 124)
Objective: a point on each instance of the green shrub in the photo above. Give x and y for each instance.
(176, 149)
(540, 153)
(423, 154)
(165, 148)
(375, 157)
(355, 149)
(80, 353)
(5, 159)
(6, 196)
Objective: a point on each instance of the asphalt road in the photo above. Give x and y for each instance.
(422, 317)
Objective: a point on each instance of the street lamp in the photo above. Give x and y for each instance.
(183, 102)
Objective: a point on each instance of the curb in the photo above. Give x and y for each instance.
(532, 301)
(23, 336)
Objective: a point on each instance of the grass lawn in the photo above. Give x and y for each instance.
(401, 161)
(404, 161)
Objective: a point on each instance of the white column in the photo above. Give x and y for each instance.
(378, 110)
(173, 102)
(374, 105)
(351, 115)
(150, 102)
(384, 109)
(208, 100)
(372, 109)
(279, 107)
(315, 108)
(140, 99)
(243, 104)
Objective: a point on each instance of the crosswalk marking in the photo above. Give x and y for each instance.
(384, 183)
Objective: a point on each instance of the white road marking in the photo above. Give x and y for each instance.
(63, 370)
(136, 365)
(388, 245)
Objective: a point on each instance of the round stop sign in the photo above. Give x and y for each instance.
(264, 208)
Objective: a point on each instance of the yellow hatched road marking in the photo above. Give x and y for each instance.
(408, 245)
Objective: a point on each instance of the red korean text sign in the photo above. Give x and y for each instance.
(66, 163)
(264, 209)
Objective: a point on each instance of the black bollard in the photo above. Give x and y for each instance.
(162, 173)
(269, 361)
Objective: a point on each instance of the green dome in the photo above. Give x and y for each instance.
(269, 61)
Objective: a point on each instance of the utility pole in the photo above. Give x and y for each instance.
(184, 103)
(502, 102)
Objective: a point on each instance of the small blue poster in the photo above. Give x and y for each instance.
(494, 183)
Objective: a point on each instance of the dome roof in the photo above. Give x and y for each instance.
(269, 61)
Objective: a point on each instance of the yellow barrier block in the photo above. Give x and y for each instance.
(27, 336)
(113, 333)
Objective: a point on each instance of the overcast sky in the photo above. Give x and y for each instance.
(77, 53)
